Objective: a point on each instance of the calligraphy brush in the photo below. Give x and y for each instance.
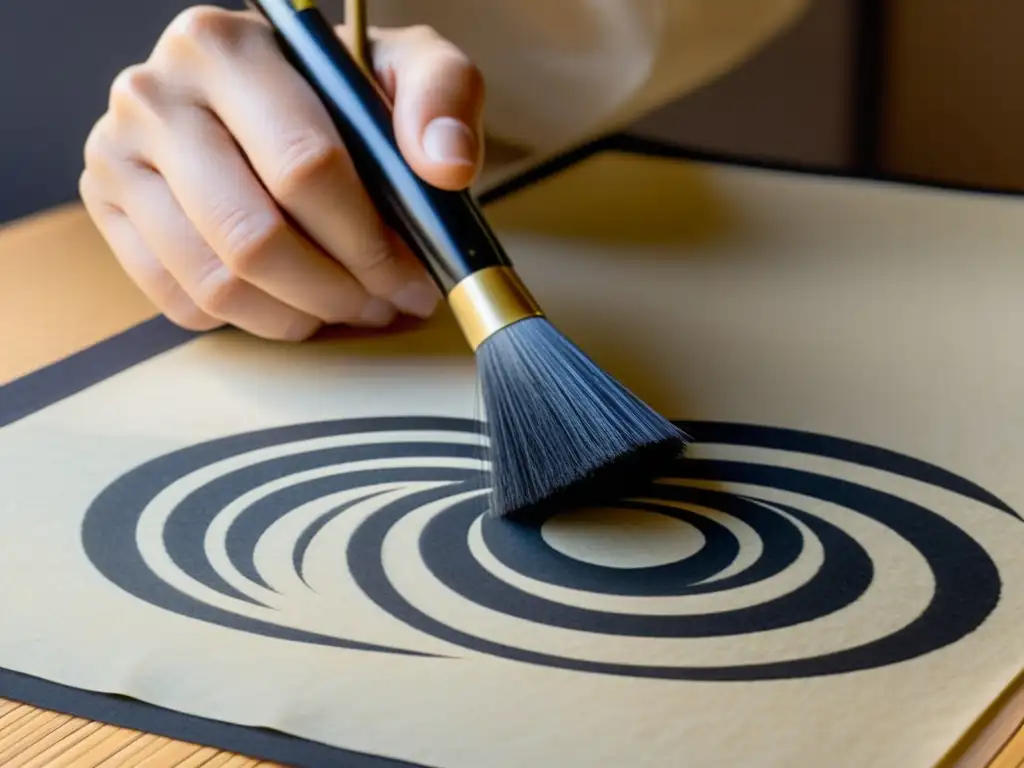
(561, 430)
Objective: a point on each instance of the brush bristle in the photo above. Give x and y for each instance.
(561, 430)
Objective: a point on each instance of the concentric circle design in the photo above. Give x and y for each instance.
(796, 554)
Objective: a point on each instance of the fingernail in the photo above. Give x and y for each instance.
(419, 299)
(447, 140)
(377, 313)
(302, 329)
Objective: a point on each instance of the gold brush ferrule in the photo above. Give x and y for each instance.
(489, 300)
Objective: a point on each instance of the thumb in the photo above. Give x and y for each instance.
(438, 101)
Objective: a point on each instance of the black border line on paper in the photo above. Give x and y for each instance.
(83, 369)
(92, 365)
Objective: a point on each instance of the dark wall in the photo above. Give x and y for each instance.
(793, 101)
(954, 92)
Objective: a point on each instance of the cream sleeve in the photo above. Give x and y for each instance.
(560, 72)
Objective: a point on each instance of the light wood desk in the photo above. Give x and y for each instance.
(61, 291)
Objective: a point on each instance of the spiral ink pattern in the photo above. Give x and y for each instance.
(767, 554)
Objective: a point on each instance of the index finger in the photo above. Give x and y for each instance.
(294, 148)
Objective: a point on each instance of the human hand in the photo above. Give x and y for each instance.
(224, 190)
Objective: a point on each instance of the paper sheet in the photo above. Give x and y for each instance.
(294, 537)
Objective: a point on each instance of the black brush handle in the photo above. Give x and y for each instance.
(445, 229)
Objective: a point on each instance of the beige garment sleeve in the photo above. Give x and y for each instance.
(560, 72)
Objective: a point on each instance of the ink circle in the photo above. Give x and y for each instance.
(247, 531)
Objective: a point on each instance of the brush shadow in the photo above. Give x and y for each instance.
(406, 336)
(253, 367)
(403, 324)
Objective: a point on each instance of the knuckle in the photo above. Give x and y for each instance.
(201, 29)
(94, 151)
(426, 39)
(454, 66)
(135, 90)
(167, 294)
(87, 188)
(96, 202)
(169, 297)
(373, 259)
(476, 84)
(445, 62)
(199, 25)
(423, 33)
(218, 291)
(248, 239)
(463, 77)
(104, 153)
(345, 312)
(306, 158)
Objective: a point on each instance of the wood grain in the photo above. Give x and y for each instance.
(36, 738)
(1012, 754)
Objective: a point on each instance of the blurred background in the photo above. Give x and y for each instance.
(927, 89)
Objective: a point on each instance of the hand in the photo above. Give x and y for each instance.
(224, 190)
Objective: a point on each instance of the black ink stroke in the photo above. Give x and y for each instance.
(967, 581)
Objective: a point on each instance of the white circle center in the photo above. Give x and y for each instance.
(622, 538)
